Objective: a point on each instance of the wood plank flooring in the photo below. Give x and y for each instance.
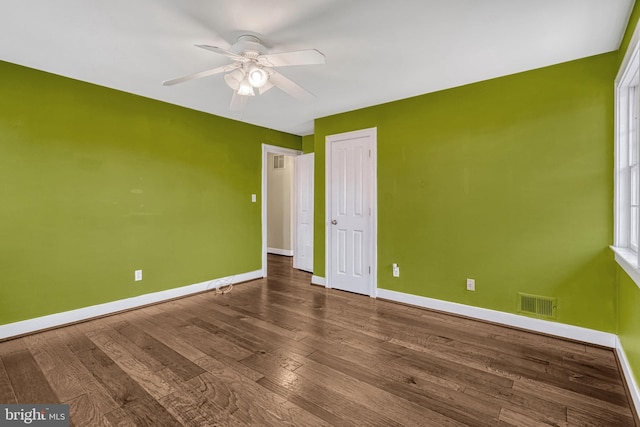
(279, 351)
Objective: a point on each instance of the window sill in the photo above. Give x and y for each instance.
(628, 260)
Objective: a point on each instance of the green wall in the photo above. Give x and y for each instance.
(95, 183)
(631, 26)
(508, 181)
(629, 320)
(628, 291)
(307, 144)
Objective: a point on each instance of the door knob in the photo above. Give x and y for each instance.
(334, 222)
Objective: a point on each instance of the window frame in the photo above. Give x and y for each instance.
(631, 165)
(627, 141)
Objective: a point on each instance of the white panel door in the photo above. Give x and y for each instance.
(303, 211)
(350, 217)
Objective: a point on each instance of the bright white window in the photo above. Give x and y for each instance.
(632, 165)
(627, 164)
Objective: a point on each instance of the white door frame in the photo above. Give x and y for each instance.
(266, 149)
(373, 133)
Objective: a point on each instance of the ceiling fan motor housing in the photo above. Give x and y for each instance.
(249, 47)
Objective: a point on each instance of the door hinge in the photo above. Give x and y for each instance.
(369, 269)
(369, 153)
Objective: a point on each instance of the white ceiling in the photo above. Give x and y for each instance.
(376, 50)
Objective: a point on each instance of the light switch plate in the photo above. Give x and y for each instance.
(471, 285)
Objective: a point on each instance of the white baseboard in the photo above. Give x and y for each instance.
(85, 313)
(628, 375)
(276, 251)
(318, 280)
(562, 330)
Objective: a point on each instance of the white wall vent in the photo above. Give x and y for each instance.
(536, 305)
(278, 161)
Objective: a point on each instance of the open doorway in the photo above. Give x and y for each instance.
(281, 199)
(280, 175)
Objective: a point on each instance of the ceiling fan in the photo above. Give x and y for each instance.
(254, 68)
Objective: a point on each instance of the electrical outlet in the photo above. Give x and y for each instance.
(471, 284)
(253, 198)
(138, 275)
(396, 270)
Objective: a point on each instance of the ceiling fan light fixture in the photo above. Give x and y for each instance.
(234, 78)
(258, 77)
(245, 88)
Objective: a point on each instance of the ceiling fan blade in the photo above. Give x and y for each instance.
(201, 74)
(265, 88)
(299, 57)
(291, 88)
(238, 102)
(221, 51)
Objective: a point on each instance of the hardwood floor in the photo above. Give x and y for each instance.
(283, 352)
